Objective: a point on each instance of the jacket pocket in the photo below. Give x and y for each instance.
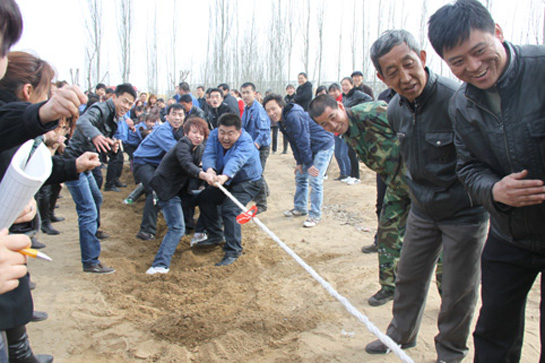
(440, 147)
(536, 129)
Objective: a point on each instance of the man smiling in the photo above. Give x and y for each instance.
(232, 160)
(499, 118)
(442, 217)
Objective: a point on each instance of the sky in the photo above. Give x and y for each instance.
(56, 31)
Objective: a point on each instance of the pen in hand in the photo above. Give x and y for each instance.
(35, 254)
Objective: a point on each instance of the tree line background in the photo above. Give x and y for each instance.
(157, 44)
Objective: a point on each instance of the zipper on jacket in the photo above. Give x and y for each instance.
(501, 127)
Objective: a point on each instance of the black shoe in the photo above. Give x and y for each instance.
(145, 236)
(210, 242)
(226, 261)
(340, 177)
(372, 248)
(99, 269)
(377, 347)
(55, 219)
(32, 285)
(381, 297)
(48, 229)
(112, 188)
(38, 316)
(44, 358)
(119, 184)
(101, 234)
(36, 244)
(260, 209)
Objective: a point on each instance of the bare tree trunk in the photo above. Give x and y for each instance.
(151, 40)
(320, 24)
(94, 29)
(289, 41)
(306, 38)
(354, 34)
(340, 45)
(423, 23)
(124, 31)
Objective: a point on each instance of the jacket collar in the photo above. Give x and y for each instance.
(429, 88)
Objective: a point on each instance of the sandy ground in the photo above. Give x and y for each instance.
(263, 308)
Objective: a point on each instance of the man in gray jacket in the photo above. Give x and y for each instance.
(499, 118)
(94, 131)
(442, 219)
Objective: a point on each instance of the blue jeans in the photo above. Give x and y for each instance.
(174, 217)
(88, 200)
(341, 155)
(302, 181)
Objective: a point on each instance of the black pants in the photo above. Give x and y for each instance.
(381, 190)
(209, 200)
(261, 197)
(115, 168)
(144, 173)
(354, 163)
(508, 273)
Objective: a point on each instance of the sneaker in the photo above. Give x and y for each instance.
(346, 179)
(372, 248)
(128, 201)
(294, 213)
(145, 236)
(340, 178)
(36, 244)
(311, 222)
(198, 237)
(260, 209)
(326, 177)
(377, 347)
(157, 270)
(99, 269)
(381, 297)
(353, 181)
(112, 188)
(119, 184)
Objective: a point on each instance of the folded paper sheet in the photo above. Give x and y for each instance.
(26, 173)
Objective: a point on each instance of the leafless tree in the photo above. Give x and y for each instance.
(277, 48)
(170, 60)
(354, 34)
(93, 50)
(151, 52)
(305, 32)
(339, 55)
(320, 26)
(124, 31)
(423, 24)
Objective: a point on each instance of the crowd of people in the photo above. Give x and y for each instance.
(460, 172)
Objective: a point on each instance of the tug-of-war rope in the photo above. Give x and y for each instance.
(386, 340)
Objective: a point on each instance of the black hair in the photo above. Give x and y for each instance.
(109, 91)
(248, 84)
(320, 89)
(201, 87)
(125, 88)
(318, 105)
(289, 86)
(224, 86)
(161, 100)
(100, 85)
(210, 90)
(451, 24)
(230, 119)
(303, 74)
(389, 39)
(185, 99)
(275, 97)
(174, 106)
(11, 25)
(184, 86)
(334, 86)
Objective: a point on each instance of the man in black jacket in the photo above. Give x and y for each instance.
(499, 118)
(303, 96)
(443, 218)
(228, 98)
(94, 131)
(217, 107)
